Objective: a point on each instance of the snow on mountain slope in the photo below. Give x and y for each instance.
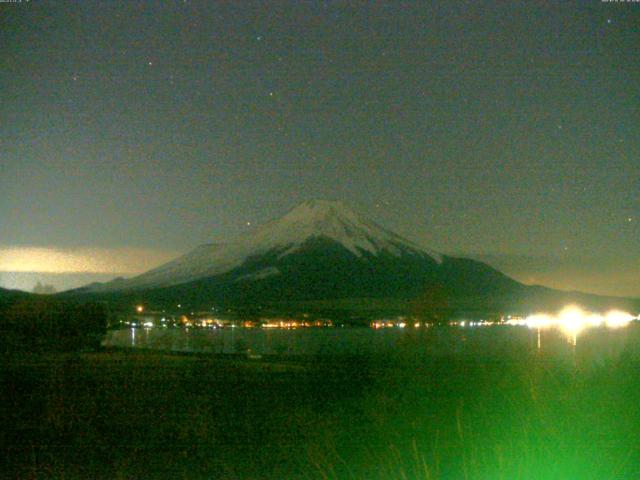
(311, 219)
(332, 220)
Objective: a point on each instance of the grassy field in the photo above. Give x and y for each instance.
(149, 415)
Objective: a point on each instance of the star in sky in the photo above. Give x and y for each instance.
(438, 111)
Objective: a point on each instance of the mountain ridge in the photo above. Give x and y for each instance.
(311, 219)
(322, 252)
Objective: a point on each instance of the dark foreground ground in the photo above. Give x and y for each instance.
(148, 415)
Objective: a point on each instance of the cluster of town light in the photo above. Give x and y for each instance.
(573, 320)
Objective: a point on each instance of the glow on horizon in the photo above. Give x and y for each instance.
(82, 260)
(573, 319)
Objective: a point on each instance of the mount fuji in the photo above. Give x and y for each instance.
(324, 255)
(317, 221)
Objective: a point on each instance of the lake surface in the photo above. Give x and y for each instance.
(451, 402)
(596, 345)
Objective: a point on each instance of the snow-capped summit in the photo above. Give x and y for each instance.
(332, 220)
(314, 219)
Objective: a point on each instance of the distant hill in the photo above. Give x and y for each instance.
(10, 295)
(322, 256)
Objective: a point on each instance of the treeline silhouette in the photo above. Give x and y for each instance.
(41, 325)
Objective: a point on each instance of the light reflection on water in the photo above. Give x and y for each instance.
(597, 344)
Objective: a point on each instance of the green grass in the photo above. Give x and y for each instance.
(149, 415)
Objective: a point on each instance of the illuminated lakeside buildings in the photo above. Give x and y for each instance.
(571, 319)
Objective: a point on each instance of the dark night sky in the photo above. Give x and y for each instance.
(134, 131)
